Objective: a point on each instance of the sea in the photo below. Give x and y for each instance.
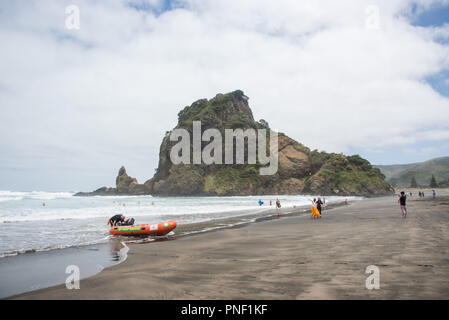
(39, 229)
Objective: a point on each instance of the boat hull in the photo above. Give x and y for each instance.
(159, 229)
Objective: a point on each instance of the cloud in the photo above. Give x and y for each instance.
(104, 95)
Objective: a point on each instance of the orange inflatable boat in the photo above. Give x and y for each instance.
(160, 229)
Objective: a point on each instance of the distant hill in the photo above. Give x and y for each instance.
(400, 175)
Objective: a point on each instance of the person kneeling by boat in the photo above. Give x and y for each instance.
(116, 220)
(119, 220)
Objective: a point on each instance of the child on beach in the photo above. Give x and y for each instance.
(402, 200)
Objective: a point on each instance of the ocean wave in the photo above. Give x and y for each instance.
(40, 195)
(4, 199)
(12, 253)
(107, 212)
(6, 195)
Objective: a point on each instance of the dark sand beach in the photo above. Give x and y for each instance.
(290, 258)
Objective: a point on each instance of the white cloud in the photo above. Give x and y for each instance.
(311, 69)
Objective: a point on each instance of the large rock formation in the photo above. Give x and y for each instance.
(125, 185)
(300, 169)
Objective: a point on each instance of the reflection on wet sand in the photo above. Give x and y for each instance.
(116, 249)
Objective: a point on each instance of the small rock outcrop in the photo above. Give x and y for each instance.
(125, 185)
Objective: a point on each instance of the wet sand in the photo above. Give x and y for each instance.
(33, 271)
(290, 258)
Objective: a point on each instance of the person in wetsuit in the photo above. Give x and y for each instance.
(116, 220)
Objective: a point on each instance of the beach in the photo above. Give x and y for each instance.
(289, 258)
(38, 242)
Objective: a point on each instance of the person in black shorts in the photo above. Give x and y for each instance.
(402, 201)
(318, 204)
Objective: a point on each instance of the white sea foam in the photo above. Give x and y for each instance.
(34, 195)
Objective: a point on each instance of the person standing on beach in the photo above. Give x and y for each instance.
(434, 194)
(318, 204)
(402, 200)
(278, 206)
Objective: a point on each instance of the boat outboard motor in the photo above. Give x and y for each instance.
(128, 222)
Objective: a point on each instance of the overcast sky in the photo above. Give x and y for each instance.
(366, 77)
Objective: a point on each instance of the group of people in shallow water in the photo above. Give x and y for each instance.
(421, 194)
(278, 203)
(316, 202)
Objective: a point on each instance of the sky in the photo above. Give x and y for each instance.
(351, 76)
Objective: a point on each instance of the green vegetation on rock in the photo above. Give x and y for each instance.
(300, 170)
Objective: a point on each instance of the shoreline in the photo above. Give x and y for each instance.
(291, 258)
(104, 262)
